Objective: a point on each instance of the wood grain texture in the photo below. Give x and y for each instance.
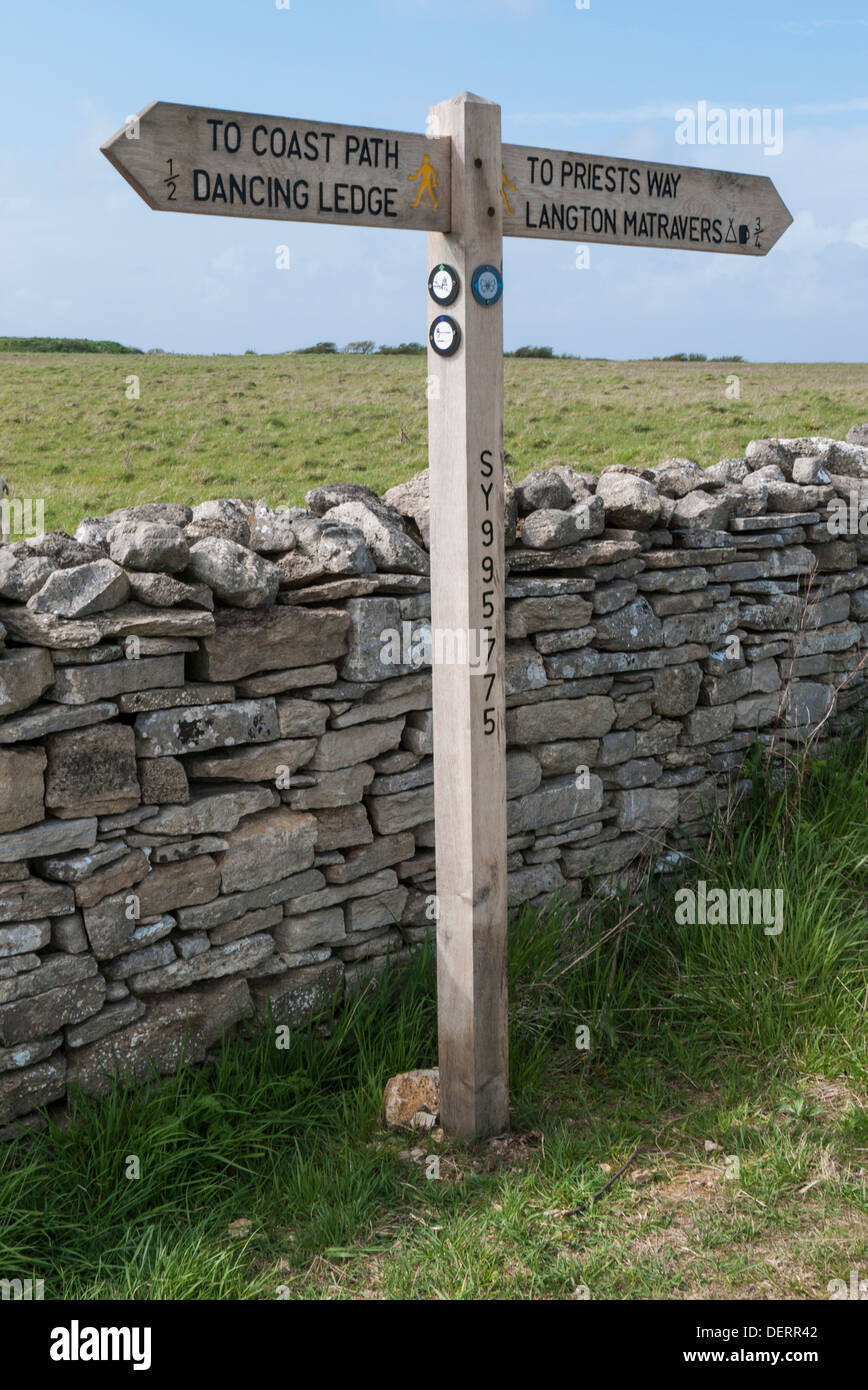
(465, 415)
(629, 202)
(234, 164)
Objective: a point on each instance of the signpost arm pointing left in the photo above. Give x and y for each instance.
(240, 164)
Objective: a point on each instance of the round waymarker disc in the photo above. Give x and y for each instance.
(445, 335)
(487, 284)
(443, 284)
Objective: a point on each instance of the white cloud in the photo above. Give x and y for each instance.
(806, 235)
(858, 233)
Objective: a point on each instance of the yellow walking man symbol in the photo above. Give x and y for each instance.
(428, 177)
(504, 185)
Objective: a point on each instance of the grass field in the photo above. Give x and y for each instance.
(730, 1063)
(266, 1174)
(275, 426)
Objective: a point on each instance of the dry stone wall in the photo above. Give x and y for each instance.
(216, 732)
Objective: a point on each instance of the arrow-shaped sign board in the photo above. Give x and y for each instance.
(584, 197)
(233, 164)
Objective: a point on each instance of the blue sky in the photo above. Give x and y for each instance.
(82, 255)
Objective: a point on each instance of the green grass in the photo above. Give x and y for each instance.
(266, 1173)
(276, 426)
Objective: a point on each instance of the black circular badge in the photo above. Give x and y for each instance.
(487, 284)
(443, 284)
(445, 335)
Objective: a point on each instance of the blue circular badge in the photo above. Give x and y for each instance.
(487, 284)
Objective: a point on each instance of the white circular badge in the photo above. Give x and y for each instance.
(443, 284)
(445, 335)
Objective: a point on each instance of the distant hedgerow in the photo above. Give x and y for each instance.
(63, 345)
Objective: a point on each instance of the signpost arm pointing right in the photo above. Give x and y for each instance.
(465, 435)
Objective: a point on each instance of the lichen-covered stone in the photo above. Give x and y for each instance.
(237, 575)
(629, 502)
(281, 638)
(84, 685)
(676, 689)
(556, 799)
(392, 549)
(81, 590)
(223, 518)
(163, 781)
(266, 847)
(92, 772)
(37, 1015)
(550, 530)
(408, 1094)
(339, 748)
(166, 591)
(22, 574)
(213, 811)
(48, 837)
(270, 762)
(148, 545)
(173, 1031)
(26, 1088)
(196, 728)
(560, 719)
(22, 787)
(25, 672)
(297, 996)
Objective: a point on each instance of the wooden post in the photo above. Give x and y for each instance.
(465, 439)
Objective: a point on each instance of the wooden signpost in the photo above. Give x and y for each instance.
(459, 184)
(465, 460)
